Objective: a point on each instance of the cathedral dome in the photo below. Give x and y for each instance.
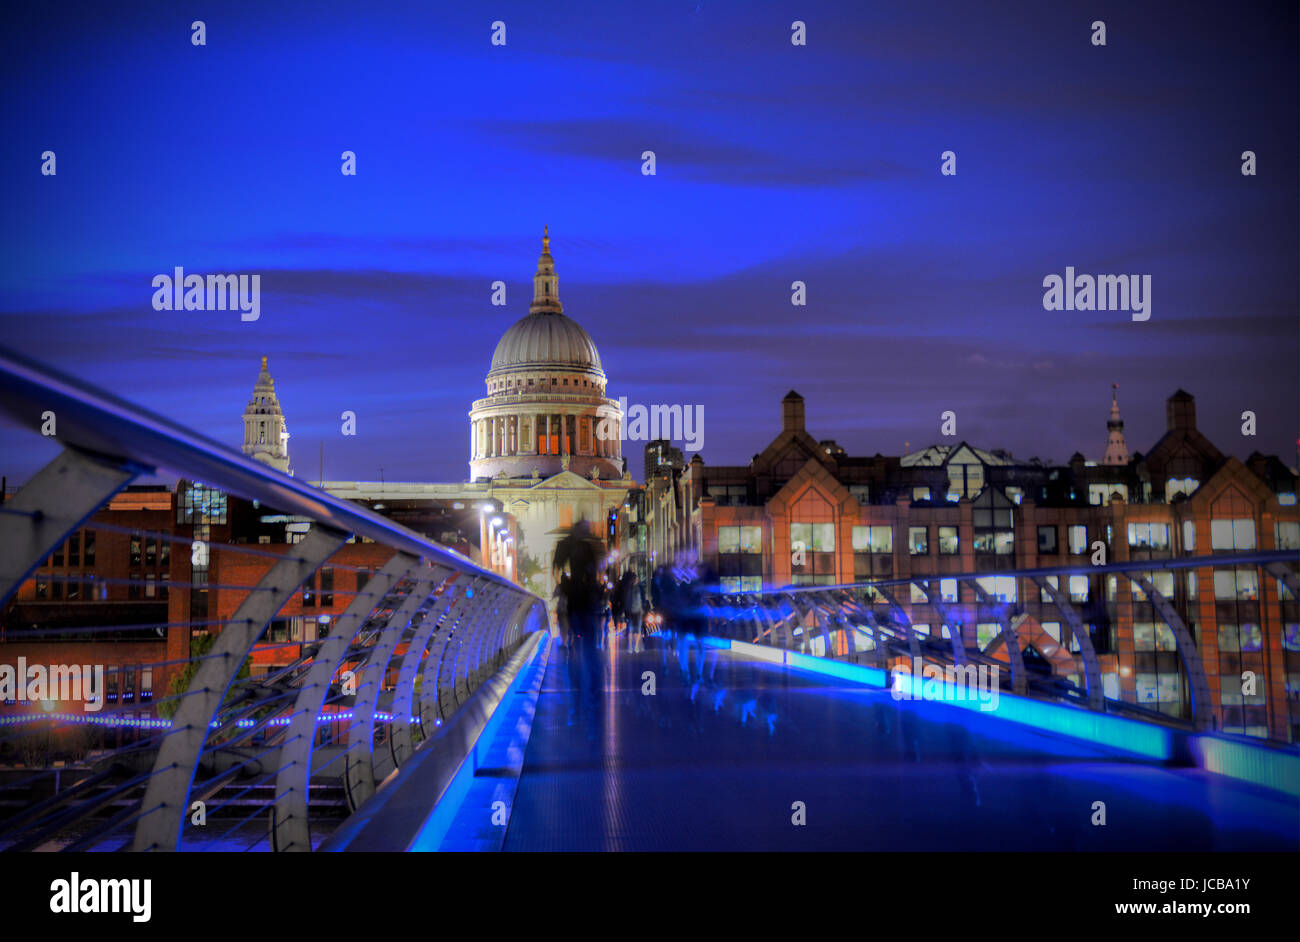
(545, 339)
(545, 409)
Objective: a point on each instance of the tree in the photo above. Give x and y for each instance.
(200, 646)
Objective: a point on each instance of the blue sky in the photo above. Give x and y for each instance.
(775, 163)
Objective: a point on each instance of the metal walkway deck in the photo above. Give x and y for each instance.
(722, 771)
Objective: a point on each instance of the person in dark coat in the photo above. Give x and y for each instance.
(580, 552)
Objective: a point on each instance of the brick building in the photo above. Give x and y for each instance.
(803, 512)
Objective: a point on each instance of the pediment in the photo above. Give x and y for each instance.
(566, 480)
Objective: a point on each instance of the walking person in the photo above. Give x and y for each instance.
(580, 553)
(561, 596)
(633, 601)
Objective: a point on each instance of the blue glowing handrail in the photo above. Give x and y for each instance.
(1262, 558)
(94, 421)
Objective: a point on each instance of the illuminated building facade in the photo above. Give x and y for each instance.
(802, 512)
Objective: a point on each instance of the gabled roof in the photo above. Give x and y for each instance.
(817, 477)
(1175, 441)
(936, 455)
(797, 441)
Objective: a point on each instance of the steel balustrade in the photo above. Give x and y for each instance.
(430, 624)
(792, 617)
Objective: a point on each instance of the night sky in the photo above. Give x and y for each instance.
(775, 163)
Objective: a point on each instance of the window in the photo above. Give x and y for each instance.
(1043, 594)
(873, 539)
(920, 493)
(1189, 536)
(1286, 534)
(1240, 638)
(747, 539)
(918, 541)
(918, 594)
(861, 493)
(1286, 498)
(1236, 584)
(199, 504)
(1162, 580)
(42, 588)
(948, 590)
(1047, 539)
(948, 542)
(90, 548)
(812, 548)
(1236, 534)
(150, 586)
(1053, 628)
(135, 551)
(740, 557)
(1078, 536)
(1176, 486)
(965, 479)
(1078, 588)
(1016, 494)
(996, 542)
(1149, 535)
(818, 537)
(327, 587)
(363, 577)
(74, 550)
(993, 518)
(1099, 494)
(309, 592)
(1001, 588)
(151, 553)
(986, 632)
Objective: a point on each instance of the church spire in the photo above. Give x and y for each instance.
(266, 438)
(546, 289)
(1116, 449)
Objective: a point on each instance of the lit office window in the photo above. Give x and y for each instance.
(1149, 535)
(1235, 534)
(948, 541)
(918, 541)
(1078, 536)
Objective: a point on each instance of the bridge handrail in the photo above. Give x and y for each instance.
(422, 634)
(101, 424)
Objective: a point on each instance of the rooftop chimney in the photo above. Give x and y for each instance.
(1180, 411)
(792, 412)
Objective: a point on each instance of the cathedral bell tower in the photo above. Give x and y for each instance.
(266, 439)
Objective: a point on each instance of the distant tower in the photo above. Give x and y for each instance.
(1116, 450)
(265, 437)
